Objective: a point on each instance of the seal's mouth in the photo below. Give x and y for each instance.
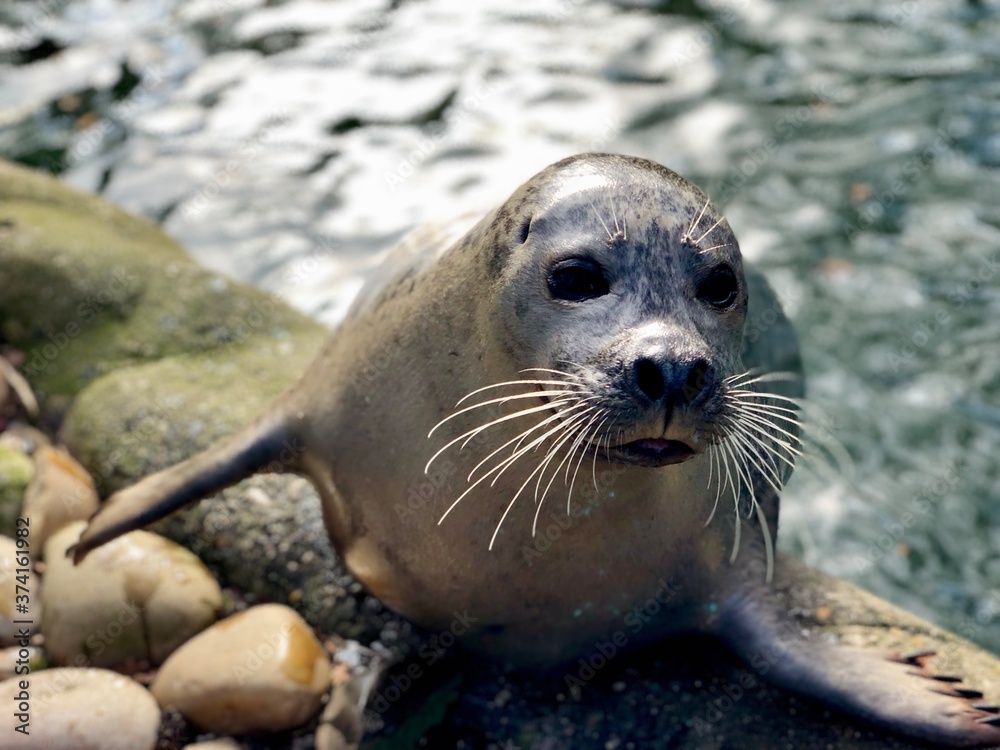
(653, 452)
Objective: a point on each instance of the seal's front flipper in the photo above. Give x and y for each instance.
(214, 469)
(896, 692)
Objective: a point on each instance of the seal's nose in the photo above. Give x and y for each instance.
(662, 379)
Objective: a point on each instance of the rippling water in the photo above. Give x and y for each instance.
(855, 151)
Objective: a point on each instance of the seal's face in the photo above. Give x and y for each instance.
(626, 288)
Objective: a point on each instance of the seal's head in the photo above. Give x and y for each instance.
(624, 278)
(617, 293)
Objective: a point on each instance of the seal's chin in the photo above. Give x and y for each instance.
(652, 452)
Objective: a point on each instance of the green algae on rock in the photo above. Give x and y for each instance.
(16, 471)
(87, 288)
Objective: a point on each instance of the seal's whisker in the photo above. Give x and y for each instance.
(713, 461)
(774, 416)
(573, 375)
(563, 418)
(711, 449)
(768, 542)
(767, 429)
(533, 445)
(578, 425)
(551, 405)
(598, 214)
(764, 427)
(763, 462)
(713, 247)
(758, 376)
(774, 409)
(686, 237)
(709, 231)
(735, 485)
(467, 436)
(758, 417)
(768, 395)
(581, 442)
(540, 468)
(500, 468)
(502, 400)
(745, 482)
(778, 446)
(579, 430)
(614, 214)
(749, 447)
(518, 440)
(561, 383)
(583, 454)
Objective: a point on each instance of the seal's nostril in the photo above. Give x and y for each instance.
(649, 379)
(699, 380)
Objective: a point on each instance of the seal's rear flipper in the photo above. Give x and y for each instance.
(153, 497)
(891, 691)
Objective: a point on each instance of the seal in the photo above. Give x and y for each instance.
(583, 344)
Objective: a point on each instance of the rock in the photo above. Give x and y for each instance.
(16, 471)
(12, 659)
(24, 438)
(60, 492)
(356, 671)
(690, 694)
(87, 289)
(15, 393)
(78, 709)
(259, 670)
(153, 355)
(9, 564)
(139, 597)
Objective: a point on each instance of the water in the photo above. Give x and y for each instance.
(854, 150)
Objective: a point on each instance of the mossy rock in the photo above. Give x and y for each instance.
(177, 356)
(88, 288)
(16, 471)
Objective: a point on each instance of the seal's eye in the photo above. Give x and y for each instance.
(720, 288)
(576, 280)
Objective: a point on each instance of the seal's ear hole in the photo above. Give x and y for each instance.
(522, 233)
